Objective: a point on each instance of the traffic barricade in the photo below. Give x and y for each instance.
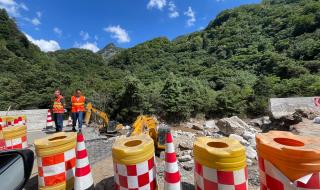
(56, 159)
(220, 163)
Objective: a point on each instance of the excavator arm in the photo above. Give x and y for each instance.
(111, 126)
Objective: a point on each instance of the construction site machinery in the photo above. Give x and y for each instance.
(111, 126)
(149, 125)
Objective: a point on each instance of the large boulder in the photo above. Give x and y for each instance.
(317, 120)
(233, 125)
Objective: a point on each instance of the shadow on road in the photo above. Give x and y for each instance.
(32, 183)
(105, 184)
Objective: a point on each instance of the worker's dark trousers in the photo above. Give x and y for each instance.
(77, 116)
(58, 120)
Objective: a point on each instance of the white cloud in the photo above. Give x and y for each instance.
(192, 16)
(24, 6)
(12, 7)
(173, 13)
(88, 45)
(39, 14)
(118, 33)
(45, 45)
(158, 4)
(57, 31)
(85, 35)
(96, 37)
(35, 21)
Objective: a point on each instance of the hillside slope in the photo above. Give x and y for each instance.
(242, 58)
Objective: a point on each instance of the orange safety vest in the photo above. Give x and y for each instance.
(57, 105)
(78, 104)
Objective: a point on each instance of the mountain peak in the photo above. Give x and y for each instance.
(109, 51)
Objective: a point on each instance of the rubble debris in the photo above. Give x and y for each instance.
(184, 158)
(251, 153)
(259, 122)
(307, 113)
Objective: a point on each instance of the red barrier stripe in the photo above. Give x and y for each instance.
(171, 157)
(82, 171)
(82, 154)
(169, 138)
(172, 177)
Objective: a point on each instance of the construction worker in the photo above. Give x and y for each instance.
(58, 110)
(77, 109)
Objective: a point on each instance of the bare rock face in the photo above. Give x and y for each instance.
(233, 125)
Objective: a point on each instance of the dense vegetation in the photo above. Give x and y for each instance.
(244, 56)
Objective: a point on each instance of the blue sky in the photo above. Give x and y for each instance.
(62, 24)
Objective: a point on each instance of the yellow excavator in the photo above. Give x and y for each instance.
(143, 124)
(111, 126)
(150, 126)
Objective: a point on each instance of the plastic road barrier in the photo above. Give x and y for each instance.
(220, 164)
(134, 163)
(2, 125)
(56, 158)
(15, 137)
(288, 161)
(171, 169)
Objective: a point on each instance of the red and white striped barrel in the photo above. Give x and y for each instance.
(141, 176)
(272, 178)
(209, 178)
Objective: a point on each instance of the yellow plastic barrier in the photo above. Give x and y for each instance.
(134, 156)
(219, 163)
(56, 161)
(285, 159)
(15, 137)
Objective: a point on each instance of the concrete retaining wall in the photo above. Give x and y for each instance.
(284, 106)
(36, 119)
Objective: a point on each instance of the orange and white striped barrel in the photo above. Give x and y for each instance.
(219, 164)
(288, 161)
(56, 157)
(15, 137)
(134, 163)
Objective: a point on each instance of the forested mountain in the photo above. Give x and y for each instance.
(243, 57)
